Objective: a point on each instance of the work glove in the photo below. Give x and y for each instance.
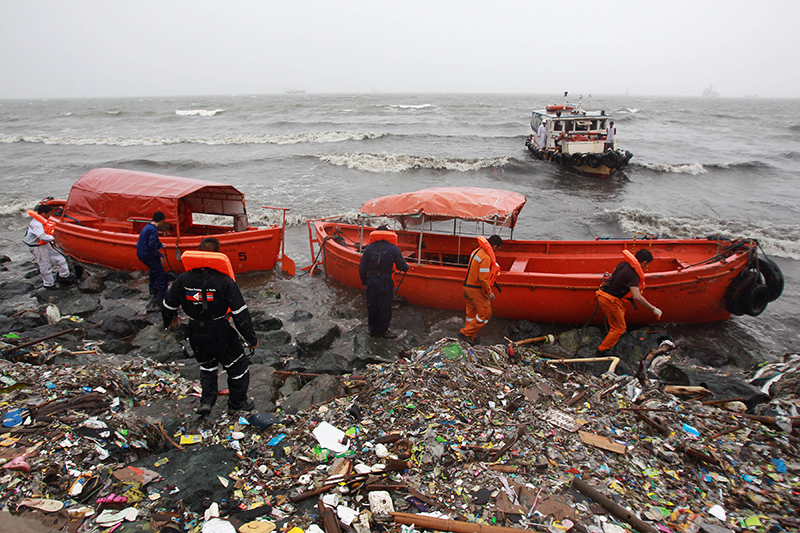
(657, 312)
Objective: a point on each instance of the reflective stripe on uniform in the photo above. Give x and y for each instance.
(242, 308)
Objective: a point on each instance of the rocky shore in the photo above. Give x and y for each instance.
(99, 401)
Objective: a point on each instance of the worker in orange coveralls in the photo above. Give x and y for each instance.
(482, 271)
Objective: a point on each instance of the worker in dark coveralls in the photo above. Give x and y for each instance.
(206, 295)
(375, 270)
(148, 250)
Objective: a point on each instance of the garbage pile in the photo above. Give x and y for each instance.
(451, 437)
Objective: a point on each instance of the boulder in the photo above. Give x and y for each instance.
(79, 304)
(317, 338)
(318, 391)
(121, 291)
(92, 285)
(262, 322)
(300, 315)
(159, 345)
(9, 289)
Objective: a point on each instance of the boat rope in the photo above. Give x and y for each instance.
(597, 304)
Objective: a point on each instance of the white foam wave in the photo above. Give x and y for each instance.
(408, 106)
(692, 168)
(777, 240)
(403, 162)
(198, 112)
(14, 206)
(287, 138)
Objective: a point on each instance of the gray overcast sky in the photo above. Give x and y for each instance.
(77, 48)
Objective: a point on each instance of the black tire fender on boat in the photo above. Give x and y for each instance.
(611, 159)
(577, 159)
(773, 277)
(747, 295)
(593, 160)
(566, 160)
(556, 158)
(755, 299)
(734, 295)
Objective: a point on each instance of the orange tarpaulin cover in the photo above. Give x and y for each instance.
(468, 203)
(115, 194)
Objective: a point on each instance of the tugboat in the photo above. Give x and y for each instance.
(570, 136)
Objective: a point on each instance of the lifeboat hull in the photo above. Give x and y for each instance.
(553, 281)
(251, 250)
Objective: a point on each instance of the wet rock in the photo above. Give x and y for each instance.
(10, 289)
(579, 341)
(318, 391)
(4, 259)
(79, 304)
(117, 276)
(290, 385)
(723, 386)
(369, 350)
(317, 338)
(195, 472)
(92, 285)
(300, 315)
(117, 346)
(7, 324)
(273, 339)
(118, 326)
(524, 329)
(262, 322)
(155, 343)
(743, 358)
(121, 291)
(337, 361)
(706, 357)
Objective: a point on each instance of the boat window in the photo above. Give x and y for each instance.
(559, 126)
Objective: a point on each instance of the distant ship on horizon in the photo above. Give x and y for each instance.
(710, 92)
(294, 91)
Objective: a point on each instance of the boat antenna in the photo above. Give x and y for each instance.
(580, 102)
(565, 96)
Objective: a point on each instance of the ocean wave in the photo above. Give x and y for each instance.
(285, 138)
(401, 162)
(795, 128)
(198, 112)
(690, 168)
(406, 106)
(780, 240)
(15, 206)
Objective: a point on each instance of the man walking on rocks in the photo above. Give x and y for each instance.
(206, 296)
(148, 250)
(482, 271)
(42, 249)
(375, 270)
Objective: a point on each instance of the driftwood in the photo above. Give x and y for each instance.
(611, 507)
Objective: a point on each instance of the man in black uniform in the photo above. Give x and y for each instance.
(375, 270)
(206, 295)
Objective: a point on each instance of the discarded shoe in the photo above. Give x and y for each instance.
(18, 464)
(249, 405)
(48, 506)
(112, 499)
(204, 409)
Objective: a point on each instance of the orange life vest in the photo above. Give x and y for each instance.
(631, 259)
(494, 268)
(216, 260)
(381, 235)
(49, 224)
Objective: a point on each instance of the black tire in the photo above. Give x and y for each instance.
(593, 160)
(566, 160)
(577, 159)
(734, 295)
(556, 158)
(773, 277)
(611, 159)
(755, 299)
